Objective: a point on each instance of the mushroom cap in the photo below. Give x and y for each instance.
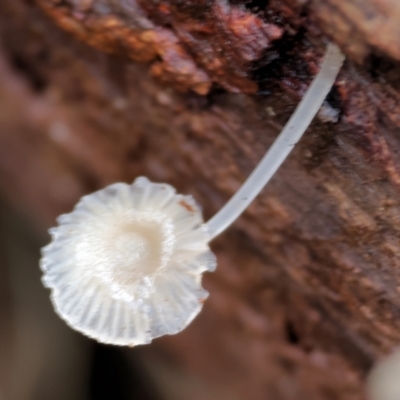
(125, 266)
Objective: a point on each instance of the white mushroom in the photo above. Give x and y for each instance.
(125, 265)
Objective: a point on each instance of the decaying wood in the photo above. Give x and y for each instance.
(362, 26)
(307, 293)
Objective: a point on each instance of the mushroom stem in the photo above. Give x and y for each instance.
(284, 143)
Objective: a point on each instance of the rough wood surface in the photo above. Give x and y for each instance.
(307, 293)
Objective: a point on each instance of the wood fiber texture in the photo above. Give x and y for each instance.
(307, 293)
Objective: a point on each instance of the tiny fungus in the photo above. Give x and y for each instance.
(383, 382)
(125, 266)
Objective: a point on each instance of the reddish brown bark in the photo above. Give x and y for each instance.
(362, 26)
(306, 295)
